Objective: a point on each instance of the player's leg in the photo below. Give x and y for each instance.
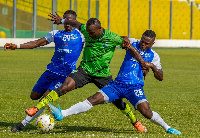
(127, 111)
(38, 91)
(52, 96)
(26, 121)
(67, 86)
(138, 99)
(78, 108)
(28, 118)
(42, 85)
(76, 79)
(99, 98)
(144, 109)
(35, 95)
(47, 82)
(121, 105)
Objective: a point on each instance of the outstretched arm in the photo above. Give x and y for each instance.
(59, 20)
(28, 45)
(73, 23)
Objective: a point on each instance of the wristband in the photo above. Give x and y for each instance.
(63, 21)
(128, 45)
(127, 48)
(18, 45)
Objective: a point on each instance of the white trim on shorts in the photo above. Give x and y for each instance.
(139, 102)
(106, 98)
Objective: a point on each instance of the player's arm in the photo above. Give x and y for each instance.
(73, 23)
(134, 52)
(59, 20)
(158, 73)
(28, 45)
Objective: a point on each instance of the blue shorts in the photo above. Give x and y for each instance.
(48, 81)
(133, 93)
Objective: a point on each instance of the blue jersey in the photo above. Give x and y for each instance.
(131, 70)
(68, 47)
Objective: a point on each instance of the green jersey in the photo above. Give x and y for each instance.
(99, 52)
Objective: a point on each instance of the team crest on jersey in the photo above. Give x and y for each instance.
(105, 44)
(147, 54)
(141, 52)
(73, 36)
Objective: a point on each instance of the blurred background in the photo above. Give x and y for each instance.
(175, 19)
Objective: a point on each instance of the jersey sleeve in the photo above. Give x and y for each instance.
(83, 28)
(156, 61)
(117, 40)
(83, 31)
(50, 36)
(133, 40)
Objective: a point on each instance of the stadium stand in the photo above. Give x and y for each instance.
(196, 20)
(181, 20)
(160, 20)
(103, 13)
(139, 18)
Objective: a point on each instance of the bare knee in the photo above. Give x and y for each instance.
(35, 95)
(67, 86)
(147, 113)
(96, 99)
(145, 110)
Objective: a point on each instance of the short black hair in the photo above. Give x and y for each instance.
(149, 33)
(71, 12)
(94, 21)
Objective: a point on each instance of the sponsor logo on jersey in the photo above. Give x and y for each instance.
(64, 50)
(68, 37)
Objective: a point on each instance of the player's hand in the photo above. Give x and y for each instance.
(125, 43)
(10, 46)
(55, 18)
(145, 71)
(147, 64)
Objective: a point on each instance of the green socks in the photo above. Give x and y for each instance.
(52, 96)
(129, 114)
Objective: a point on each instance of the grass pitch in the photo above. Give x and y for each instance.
(176, 98)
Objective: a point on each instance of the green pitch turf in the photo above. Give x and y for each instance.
(176, 98)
